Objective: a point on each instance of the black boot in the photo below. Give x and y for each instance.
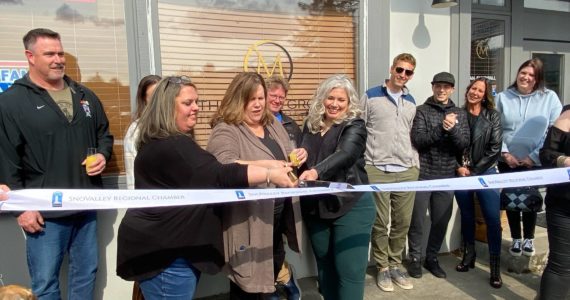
(468, 259)
(495, 266)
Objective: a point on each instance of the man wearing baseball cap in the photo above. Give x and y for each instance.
(440, 132)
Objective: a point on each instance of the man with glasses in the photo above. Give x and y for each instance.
(440, 133)
(389, 111)
(47, 123)
(277, 89)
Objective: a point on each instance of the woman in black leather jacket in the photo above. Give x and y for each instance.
(481, 159)
(339, 225)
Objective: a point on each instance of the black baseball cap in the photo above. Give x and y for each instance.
(444, 77)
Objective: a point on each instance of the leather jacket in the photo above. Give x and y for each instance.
(346, 164)
(486, 141)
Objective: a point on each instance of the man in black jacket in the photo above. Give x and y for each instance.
(47, 122)
(440, 132)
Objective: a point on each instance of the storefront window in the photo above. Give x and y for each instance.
(553, 70)
(556, 5)
(94, 39)
(487, 51)
(304, 41)
(490, 2)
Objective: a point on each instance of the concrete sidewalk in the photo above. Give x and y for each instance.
(521, 277)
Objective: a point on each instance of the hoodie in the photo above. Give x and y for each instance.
(40, 148)
(526, 119)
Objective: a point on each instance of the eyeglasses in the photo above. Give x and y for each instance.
(399, 70)
(180, 79)
(273, 96)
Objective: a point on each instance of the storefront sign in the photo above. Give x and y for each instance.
(261, 65)
(11, 71)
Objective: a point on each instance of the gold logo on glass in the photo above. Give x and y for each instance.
(255, 58)
(482, 48)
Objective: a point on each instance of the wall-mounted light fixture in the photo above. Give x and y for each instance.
(443, 3)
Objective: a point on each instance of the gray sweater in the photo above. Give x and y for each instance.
(388, 124)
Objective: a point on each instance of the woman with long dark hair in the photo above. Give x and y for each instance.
(144, 94)
(527, 110)
(481, 159)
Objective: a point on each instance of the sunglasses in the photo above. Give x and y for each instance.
(180, 79)
(399, 70)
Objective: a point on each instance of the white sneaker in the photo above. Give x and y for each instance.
(528, 247)
(516, 248)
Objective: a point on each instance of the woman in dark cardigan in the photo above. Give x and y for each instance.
(166, 248)
(339, 225)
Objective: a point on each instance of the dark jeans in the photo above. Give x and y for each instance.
(491, 209)
(514, 217)
(440, 204)
(556, 277)
(341, 249)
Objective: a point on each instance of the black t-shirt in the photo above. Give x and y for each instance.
(272, 145)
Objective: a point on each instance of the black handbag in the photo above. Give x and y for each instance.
(525, 199)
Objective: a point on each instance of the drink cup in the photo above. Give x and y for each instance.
(91, 158)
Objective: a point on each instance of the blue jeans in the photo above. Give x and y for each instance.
(178, 281)
(74, 235)
(491, 209)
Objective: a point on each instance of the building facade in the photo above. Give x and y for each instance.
(111, 44)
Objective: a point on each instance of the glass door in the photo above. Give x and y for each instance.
(489, 39)
(553, 70)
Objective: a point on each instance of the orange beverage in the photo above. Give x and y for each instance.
(91, 158)
(89, 161)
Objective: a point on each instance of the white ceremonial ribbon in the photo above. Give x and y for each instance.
(78, 199)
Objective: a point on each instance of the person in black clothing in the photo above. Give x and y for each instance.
(339, 226)
(440, 132)
(556, 153)
(47, 123)
(166, 248)
(481, 159)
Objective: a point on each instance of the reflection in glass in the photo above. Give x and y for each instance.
(556, 5)
(211, 41)
(490, 2)
(93, 35)
(553, 68)
(313, 7)
(487, 51)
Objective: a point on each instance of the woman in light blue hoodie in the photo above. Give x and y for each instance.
(527, 109)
